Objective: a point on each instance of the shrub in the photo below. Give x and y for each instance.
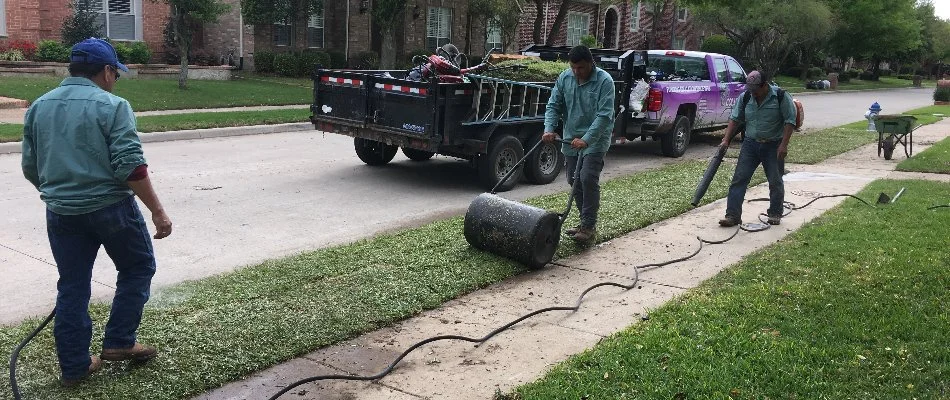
(537, 71)
(907, 77)
(264, 62)
(139, 53)
(844, 77)
(884, 72)
(720, 44)
(337, 59)
(202, 57)
(52, 51)
(26, 48)
(285, 64)
(906, 70)
(590, 41)
(367, 60)
(308, 60)
(815, 73)
(795, 72)
(81, 24)
(122, 50)
(12, 55)
(942, 94)
(868, 76)
(855, 73)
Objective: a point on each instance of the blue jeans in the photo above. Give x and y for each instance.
(587, 189)
(75, 240)
(751, 155)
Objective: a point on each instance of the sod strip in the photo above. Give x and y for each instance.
(814, 147)
(222, 328)
(935, 160)
(852, 306)
(178, 122)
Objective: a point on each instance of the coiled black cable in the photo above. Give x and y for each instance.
(16, 353)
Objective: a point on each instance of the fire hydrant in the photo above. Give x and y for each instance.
(871, 115)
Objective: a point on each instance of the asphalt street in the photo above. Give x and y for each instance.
(241, 200)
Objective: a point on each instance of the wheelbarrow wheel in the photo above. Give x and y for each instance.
(888, 146)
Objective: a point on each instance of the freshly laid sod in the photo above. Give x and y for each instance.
(852, 306)
(163, 94)
(11, 132)
(177, 122)
(219, 329)
(936, 160)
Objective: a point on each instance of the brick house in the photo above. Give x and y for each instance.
(346, 27)
(623, 25)
(126, 20)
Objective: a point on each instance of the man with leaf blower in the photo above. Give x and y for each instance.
(582, 102)
(769, 117)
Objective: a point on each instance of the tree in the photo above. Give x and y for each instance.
(875, 30)
(388, 15)
(184, 14)
(767, 32)
(81, 24)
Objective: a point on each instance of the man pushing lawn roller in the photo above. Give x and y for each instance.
(582, 101)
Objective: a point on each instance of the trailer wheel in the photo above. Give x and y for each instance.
(675, 142)
(545, 164)
(504, 151)
(417, 155)
(373, 152)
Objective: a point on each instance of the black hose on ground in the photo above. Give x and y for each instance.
(16, 353)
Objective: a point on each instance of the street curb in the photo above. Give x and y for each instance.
(192, 134)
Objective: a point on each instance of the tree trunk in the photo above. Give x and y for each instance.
(184, 46)
(558, 21)
(538, 21)
(468, 33)
(387, 54)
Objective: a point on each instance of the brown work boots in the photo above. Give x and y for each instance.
(138, 352)
(94, 364)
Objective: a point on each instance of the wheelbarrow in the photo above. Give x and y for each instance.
(893, 130)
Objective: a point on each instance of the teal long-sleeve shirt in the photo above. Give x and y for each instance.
(766, 121)
(586, 111)
(79, 147)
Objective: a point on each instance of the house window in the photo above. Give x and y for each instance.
(578, 26)
(635, 18)
(439, 27)
(120, 19)
(494, 35)
(315, 30)
(282, 33)
(682, 14)
(3, 18)
(679, 44)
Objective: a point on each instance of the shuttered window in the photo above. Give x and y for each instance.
(682, 14)
(438, 27)
(315, 30)
(635, 18)
(120, 19)
(578, 26)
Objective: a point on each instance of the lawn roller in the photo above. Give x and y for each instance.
(524, 233)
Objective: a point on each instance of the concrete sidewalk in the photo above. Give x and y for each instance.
(458, 370)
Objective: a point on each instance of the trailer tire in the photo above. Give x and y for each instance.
(545, 164)
(675, 142)
(417, 155)
(374, 153)
(504, 151)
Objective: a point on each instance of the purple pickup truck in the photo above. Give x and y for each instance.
(681, 92)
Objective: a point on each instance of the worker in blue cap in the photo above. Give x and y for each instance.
(82, 153)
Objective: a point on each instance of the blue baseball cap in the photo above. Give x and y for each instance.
(95, 51)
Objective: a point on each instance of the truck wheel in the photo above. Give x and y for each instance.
(545, 164)
(503, 153)
(417, 155)
(675, 142)
(373, 152)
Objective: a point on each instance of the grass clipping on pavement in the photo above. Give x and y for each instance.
(854, 305)
(222, 328)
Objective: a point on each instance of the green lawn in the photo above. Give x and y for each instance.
(176, 122)
(813, 147)
(222, 328)
(11, 132)
(852, 306)
(795, 85)
(934, 160)
(163, 94)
